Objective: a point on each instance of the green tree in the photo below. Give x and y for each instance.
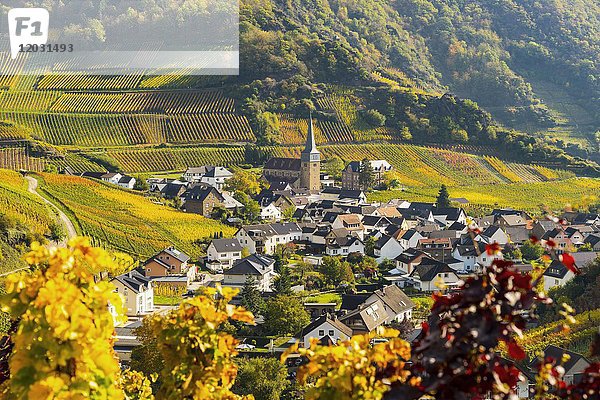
(374, 118)
(366, 176)
(334, 167)
(288, 213)
(264, 378)
(141, 184)
(443, 199)
(336, 271)
(251, 298)
(57, 232)
(244, 181)
(370, 243)
(251, 211)
(282, 284)
(531, 251)
(285, 315)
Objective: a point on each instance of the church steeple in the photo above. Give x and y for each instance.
(310, 162)
(310, 152)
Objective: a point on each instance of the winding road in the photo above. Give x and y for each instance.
(32, 185)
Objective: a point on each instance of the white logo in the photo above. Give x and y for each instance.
(27, 26)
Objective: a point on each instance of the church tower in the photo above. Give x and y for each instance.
(310, 162)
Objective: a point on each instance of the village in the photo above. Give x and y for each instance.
(314, 259)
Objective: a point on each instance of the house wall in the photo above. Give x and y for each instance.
(135, 303)
(152, 268)
(551, 282)
(226, 259)
(326, 327)
(173, 262)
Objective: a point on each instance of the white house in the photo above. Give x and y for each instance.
(136, 291)
(326, 329)
(270, 213)
(351, 222)
(387, 247)
(255, 265)
(263, 238)
(397, 304)
(449, 215)
(222, 253)
(432, 275)
(112, 177)
(493, 234)
(409, 239)
(556, 275)
(216, 177)
(342, 246)
(127, 182)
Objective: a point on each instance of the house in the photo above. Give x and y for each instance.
(127, 182)
(387, 247)
(194, 174)
(408, 260)
(387, 211)
(574, 366)
(586, 219)
(593, 241)
(257, 238)
(169, 261)
(375, 223)
(397, 304)
(493, 234)
(202, 200)
(270, 213)
(473, 256)
(137, 292)
(344, 245)
(111, 177)
(511, 221)
(317, 310)
(222, 253)
(173, 190)
(517, 234)
(216, 177)
(351, 174)
(565, 239)
(409, 238)
(556, 275)
(326, 329)
(260, 267)
(351, 222)
(449, 215)
(431, 275)
(539, 228)
(366, 318)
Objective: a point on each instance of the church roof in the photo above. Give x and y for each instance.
(282, 163)
(311, 146)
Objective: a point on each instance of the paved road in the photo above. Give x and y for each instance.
(32, 185)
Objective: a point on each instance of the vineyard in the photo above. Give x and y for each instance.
(533, 197)
(18, 203)
(17, 158)
(128, 222)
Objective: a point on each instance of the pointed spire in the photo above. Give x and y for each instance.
(311, 146)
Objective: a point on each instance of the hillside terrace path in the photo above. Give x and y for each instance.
(32, 185)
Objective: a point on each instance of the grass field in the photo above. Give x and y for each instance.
(125, 221)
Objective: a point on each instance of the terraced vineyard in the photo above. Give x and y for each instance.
(172, 159)
(17, 158)
(125, 221)
(18, 203)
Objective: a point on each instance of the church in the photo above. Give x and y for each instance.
(303, 173)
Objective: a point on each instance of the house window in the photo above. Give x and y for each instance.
(331, 332)
(321, 332)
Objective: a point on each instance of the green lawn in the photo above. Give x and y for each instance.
(325, 298)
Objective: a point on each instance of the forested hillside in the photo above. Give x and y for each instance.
(487, 51)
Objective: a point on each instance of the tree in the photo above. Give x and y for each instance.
(55, 356)
(264, 378)
(146, 358)
(57, 231)
(285, 315)
(366, 176)
(288, 213)
(198, 357)
(251, 298)
(243, 181)
(141, 184)
(282, 284)
(531, 251)
(370, 243)
(374, 118)
(336, 271)
(334, 167)
(443, 199)
(251, 211)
